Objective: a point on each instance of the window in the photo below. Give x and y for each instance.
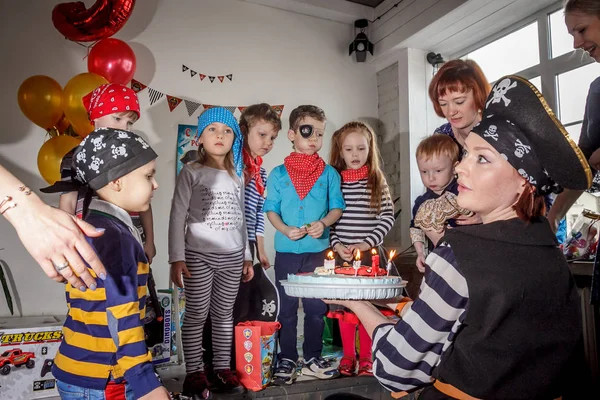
(572, 89)
(537, 82)
(560, 40)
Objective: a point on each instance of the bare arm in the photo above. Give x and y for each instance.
(366, 312)
(563, 202)
(68, 202)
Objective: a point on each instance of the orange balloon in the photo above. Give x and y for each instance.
(51, 154)
(40, 100)
(79, 86)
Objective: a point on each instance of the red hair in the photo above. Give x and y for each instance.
(530, 205)
(459, 76)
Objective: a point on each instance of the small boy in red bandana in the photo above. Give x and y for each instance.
(304, 198)
(110, 106)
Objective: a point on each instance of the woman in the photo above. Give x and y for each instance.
(498, 314)
(54, 238)
(582, 18)
(458, 92)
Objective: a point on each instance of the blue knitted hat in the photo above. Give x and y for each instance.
(224, 116)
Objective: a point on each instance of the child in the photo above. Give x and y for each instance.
(110, 106)
(368, 217)
(303, 200)
(103, 341)
(437, 155)
(260, 125)
(208, 245)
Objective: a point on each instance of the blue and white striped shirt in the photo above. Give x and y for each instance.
(253, 207)
(406, 353)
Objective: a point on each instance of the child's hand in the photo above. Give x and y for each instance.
(472, 220)
(294, 233)
(343, 251)
(178, 268)
(421, 263)
(247, 272)
(150, 250)
(362, 246)
(315, 229)
(264, 261)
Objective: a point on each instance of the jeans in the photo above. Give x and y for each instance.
(113, 391)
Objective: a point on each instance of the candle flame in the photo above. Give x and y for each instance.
(392, 254)
(330, 255)
(374, 252)
(357, 257)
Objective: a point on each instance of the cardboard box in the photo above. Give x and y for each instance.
(158, 333)
(27, 349)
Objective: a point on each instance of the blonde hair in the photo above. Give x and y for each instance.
(376, 179)
(438, 144)
(591, 7)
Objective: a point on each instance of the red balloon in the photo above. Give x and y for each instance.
(113, 59)
(100, 21)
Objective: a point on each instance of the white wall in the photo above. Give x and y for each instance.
(275, 56)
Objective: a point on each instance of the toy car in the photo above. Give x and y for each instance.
(17, 358)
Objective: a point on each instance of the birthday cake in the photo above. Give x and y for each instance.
(365, 283)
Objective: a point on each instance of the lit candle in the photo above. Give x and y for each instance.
(389, 264)
(329, 261)
(374, 259)
(356, 263)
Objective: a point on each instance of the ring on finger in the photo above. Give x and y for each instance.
(60, 267)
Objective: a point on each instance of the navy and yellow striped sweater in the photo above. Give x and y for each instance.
(103, 332)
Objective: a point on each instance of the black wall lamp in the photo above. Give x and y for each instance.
(435, 60)
(361, 43)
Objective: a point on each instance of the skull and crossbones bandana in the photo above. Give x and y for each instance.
(506, 137)
(109, 99)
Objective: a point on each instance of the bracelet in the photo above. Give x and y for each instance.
(324, 224)
(7, 202)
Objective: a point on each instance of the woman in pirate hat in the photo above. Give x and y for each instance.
(498, 316)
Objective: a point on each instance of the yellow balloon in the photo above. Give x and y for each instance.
(79, 86)
(40, 100)
(51, 154)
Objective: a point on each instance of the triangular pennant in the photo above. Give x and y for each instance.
(184, 68)
(173, 102)
(137, 86)
(154, 95)
(202, 76)
(230, 77)
(207, 106)
(191, 106)
(193, 73)
(212, 79)
(221, 78)
(278, 109)
(242, 108)
(230, 108)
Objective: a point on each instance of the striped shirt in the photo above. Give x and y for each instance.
(406, 353)
(103, 332)
(253, 207)
(360, 222)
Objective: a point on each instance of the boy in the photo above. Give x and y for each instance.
(103, 343)
(304, 198)
(110, 106)
(437, 155)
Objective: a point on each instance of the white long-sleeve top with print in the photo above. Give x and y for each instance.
(207, 213)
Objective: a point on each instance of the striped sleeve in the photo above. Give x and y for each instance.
(260, 216)
(385, 220)
(405, 353)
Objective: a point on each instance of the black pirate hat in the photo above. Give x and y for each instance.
(520, 125)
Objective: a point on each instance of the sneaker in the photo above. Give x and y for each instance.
(226, 381)
(320, 368)
(196, 385)
(285, 372)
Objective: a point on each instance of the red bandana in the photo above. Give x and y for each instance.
(304, 170)
(252, 171)
(109, 99)
(353, 175)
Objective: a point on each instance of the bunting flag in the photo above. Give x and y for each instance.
(173, 102)
(207, 106)
(241, 108)
(137, 86)
(193, 73)
(278, 109)
(155, 95)
(230, 108)
(191, 106)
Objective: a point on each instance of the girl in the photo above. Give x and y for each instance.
(208, 244)
(368, 217)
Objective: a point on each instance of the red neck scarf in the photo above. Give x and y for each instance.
(252, 171)
(353, 175)
(304, 170)
(109, 99)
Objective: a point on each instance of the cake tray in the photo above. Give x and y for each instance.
(343, 292)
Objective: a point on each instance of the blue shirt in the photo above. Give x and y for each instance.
(282, 199)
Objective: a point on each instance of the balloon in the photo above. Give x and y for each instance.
(101, 20)
(79, 86)
(51, 154)
(39, 98)
(63, 124)
(112, 59)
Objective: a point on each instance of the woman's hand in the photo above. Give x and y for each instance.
(178, 268)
